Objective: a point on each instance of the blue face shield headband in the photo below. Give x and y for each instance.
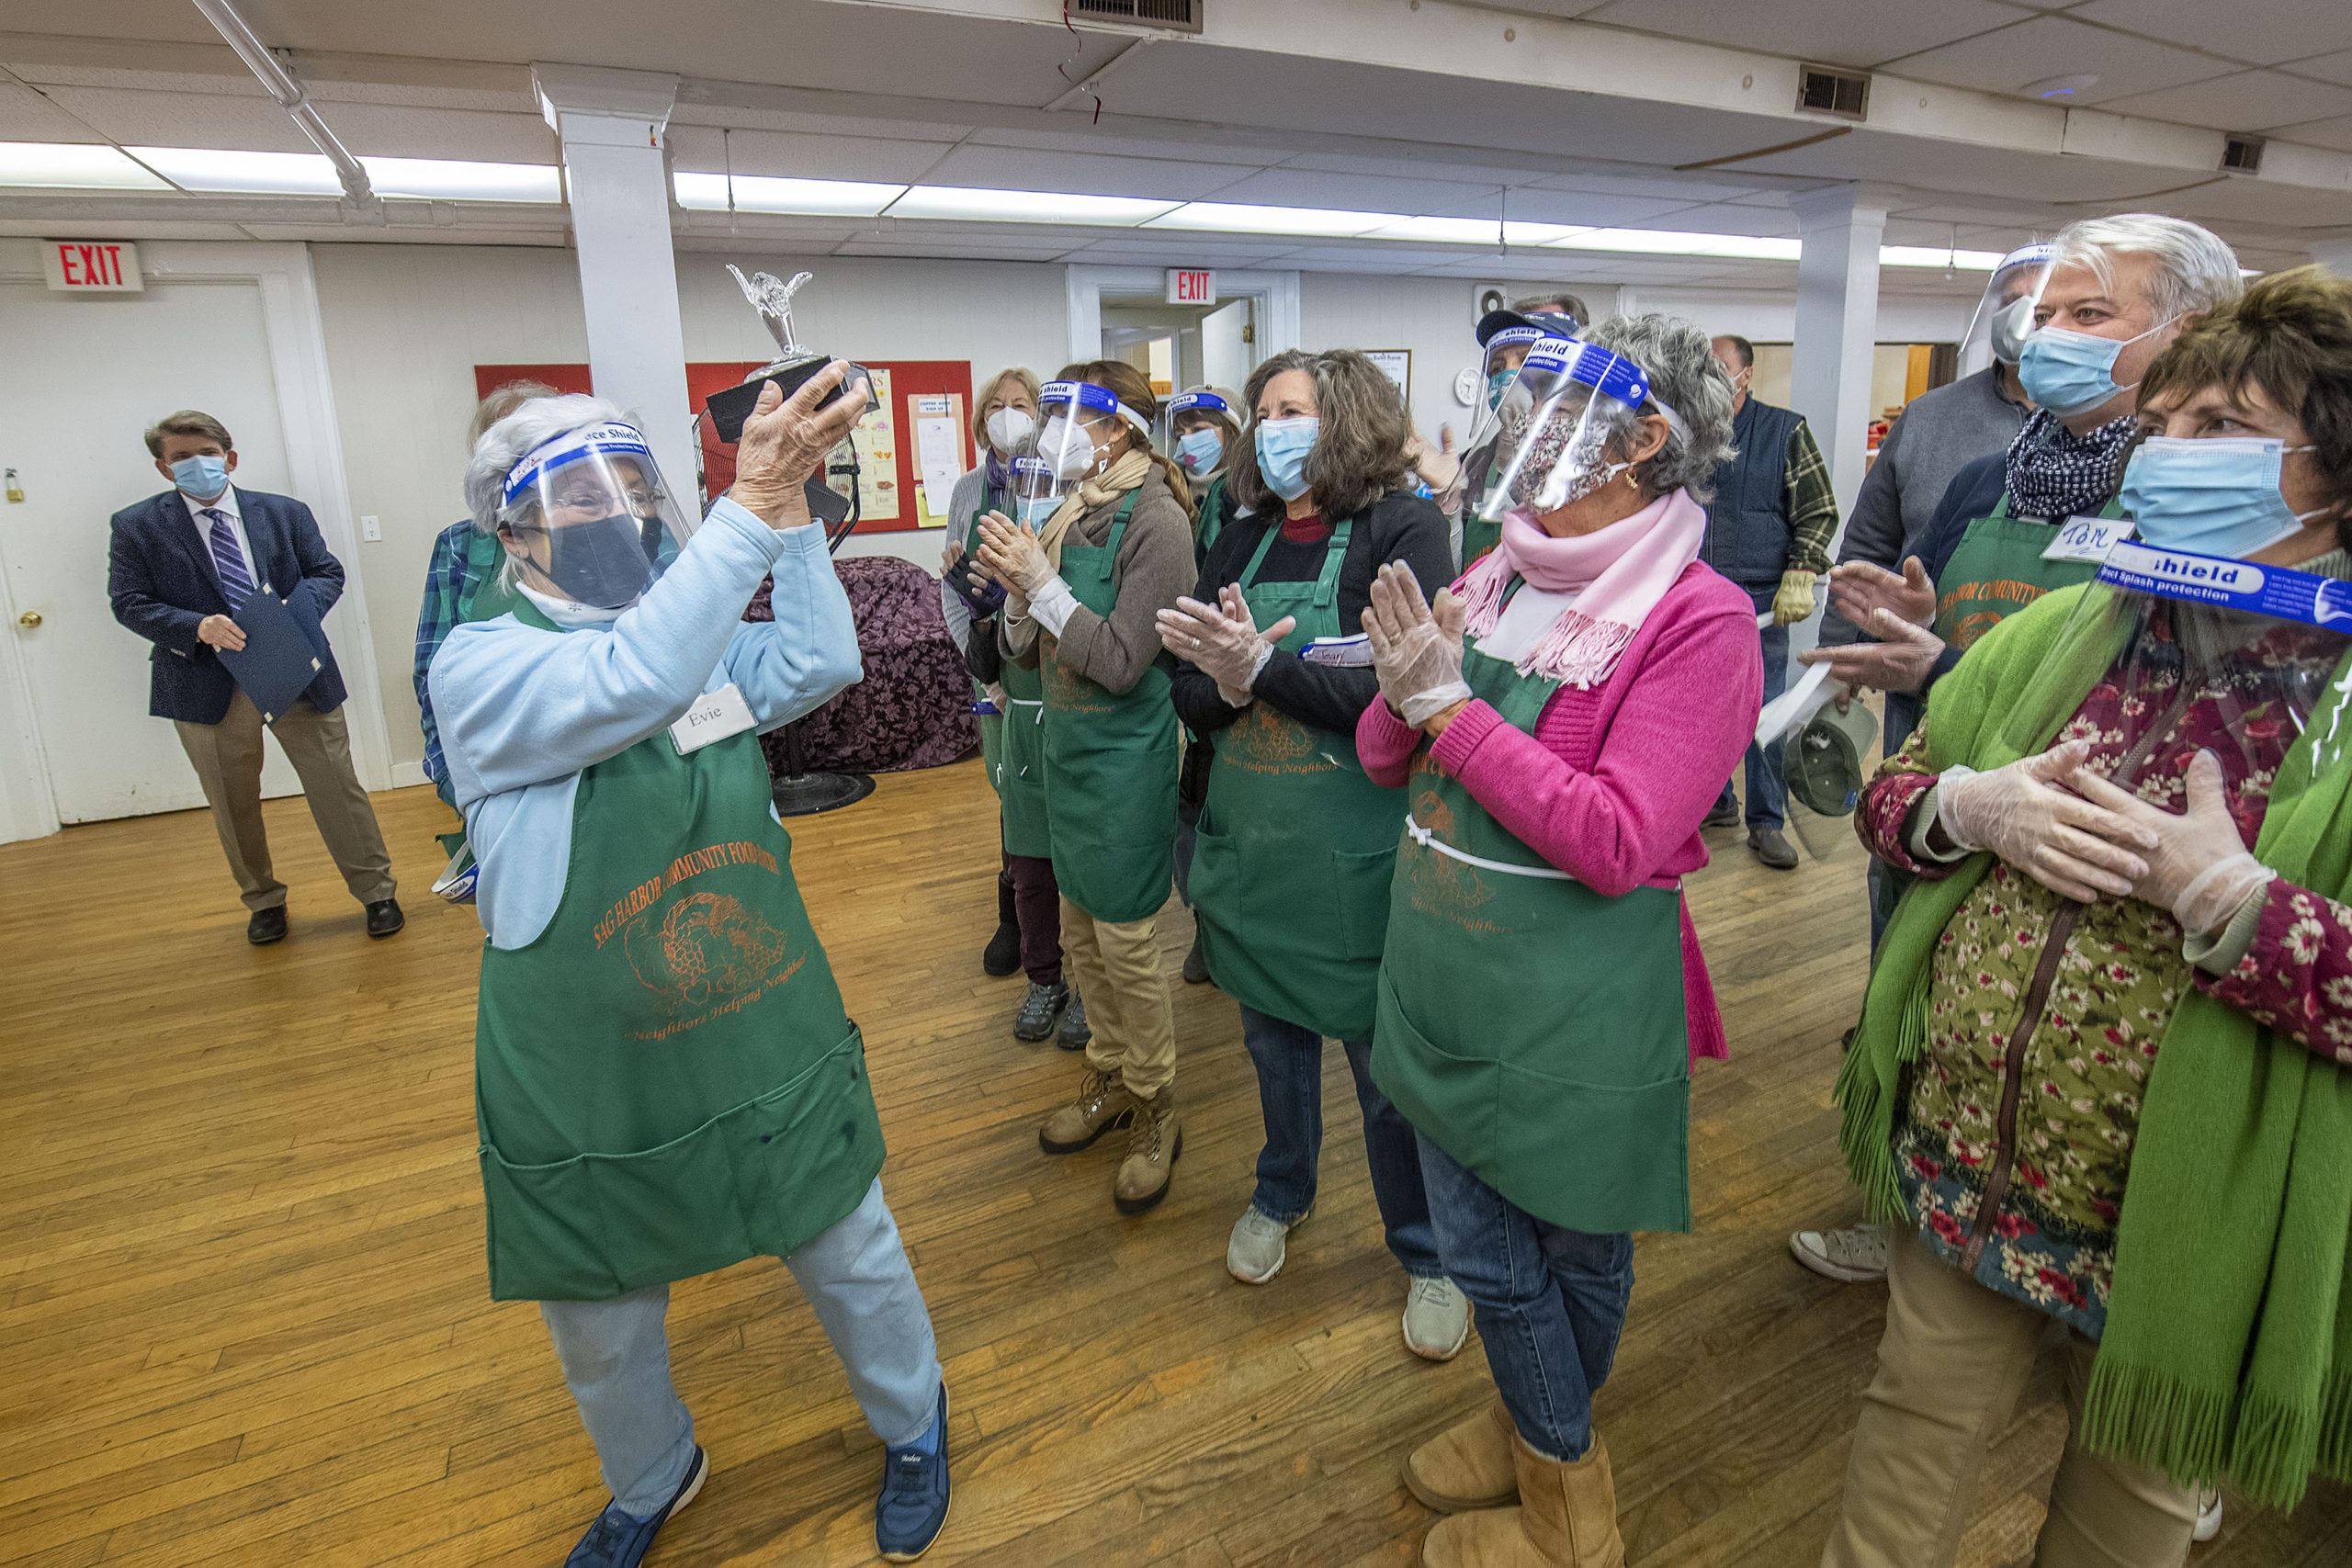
(1184, 402)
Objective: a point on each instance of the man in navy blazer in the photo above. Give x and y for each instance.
(180, 566)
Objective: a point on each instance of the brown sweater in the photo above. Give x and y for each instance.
(1154, 566)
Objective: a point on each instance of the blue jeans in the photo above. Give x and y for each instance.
(1290, 1094)
(1768, 795)
(1549, 1302)
(616, 1354)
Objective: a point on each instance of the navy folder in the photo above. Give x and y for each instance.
(278, 661)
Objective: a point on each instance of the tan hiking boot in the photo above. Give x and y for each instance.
(1468, 1465)
(1567, 1519)
(1102, 1104)
(1155, 1142)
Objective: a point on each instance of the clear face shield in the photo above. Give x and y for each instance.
(2005, 315)
(1562, 427)
(1505, 352)
(1188, 431)
(1077, 426)
(592, 517)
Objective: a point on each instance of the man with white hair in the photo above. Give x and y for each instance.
(665, 1081)
(2115, 292)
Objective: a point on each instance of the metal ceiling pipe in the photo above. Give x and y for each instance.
(359, 197)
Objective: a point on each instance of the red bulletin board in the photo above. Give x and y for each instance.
(909, 379)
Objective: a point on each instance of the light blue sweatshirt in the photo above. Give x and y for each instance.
(523, 711)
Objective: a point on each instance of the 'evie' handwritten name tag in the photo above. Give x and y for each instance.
(715, 716)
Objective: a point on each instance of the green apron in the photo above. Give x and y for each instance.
(1533, 1028)
(1013, 747)
(1297, 848)
(1478, 535)
(1997, 571)
(1110, 762)
(664, 1081)
(1208, 517)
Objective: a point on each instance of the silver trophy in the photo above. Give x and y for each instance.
(772, 301)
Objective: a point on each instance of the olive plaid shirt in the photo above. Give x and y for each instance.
(1811, 503)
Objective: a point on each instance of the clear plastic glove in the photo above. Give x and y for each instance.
(1222, 640)
(1794, 603)
(1010, 553)
(1438, 467)
(2198, 868)
(1415, 649)
(1860, 588)
(2025, 813)
(1901, 662)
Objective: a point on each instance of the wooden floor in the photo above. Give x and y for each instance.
(243, 1303)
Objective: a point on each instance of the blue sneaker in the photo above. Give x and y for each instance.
(619, 1540)
(913, 1505)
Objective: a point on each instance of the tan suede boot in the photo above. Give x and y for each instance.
(1468, 1465)
(1154, 1140)
(1102, 1104)
(1567, 1519)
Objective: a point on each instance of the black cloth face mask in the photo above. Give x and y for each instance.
(600, 564)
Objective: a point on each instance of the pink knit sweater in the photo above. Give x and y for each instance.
(1611, 786)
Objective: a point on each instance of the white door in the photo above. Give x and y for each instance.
(74, 443)
(1225, 357)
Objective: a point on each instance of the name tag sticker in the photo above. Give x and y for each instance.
(1339, 652)
(2088, 539)
(715, 716)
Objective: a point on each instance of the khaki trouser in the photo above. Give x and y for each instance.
(228, 762)
(1116, 971)
(1951, 1369)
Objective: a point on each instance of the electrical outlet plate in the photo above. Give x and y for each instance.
(370, 528)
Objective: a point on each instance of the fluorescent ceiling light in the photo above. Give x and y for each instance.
(242, 174)
(769, 193)
(1673, 242)
(1470, 232)
(71, 166)
(1937, 255)
(453, 179)
(1024, 206)
(1318, 222)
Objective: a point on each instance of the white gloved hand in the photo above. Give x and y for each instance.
(2025, 813)
(2197, 866)
(1901, 662)
(1860, 588)
(1222, 640)
(1415, 649)
(1010, 554)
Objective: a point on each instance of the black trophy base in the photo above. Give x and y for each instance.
(804, 794)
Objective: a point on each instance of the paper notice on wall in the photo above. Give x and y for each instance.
(939, 455)
(875, 437)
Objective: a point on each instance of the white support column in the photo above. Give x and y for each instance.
(2335, 253)
(611, 123)
(1836, 326)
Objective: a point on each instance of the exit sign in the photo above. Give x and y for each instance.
(92, 266)
(1191, 287)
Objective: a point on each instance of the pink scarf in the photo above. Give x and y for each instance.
(1618, 575)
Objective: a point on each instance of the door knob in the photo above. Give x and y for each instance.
(30, 619)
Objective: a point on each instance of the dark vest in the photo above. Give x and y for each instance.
(1747, 522)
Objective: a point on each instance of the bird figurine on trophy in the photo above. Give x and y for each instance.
(793, 364)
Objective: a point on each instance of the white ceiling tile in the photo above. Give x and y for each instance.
(1353, 193)
(382, 130)
(2327, 67)
(1585, 207)
(1720, 185)
(912, 245)
(801, 154)
(2258, 33)
(26, 116)
(2335, 134)
(2246, 100)
(247, 124)
(2255, 201)
(1836, 32)
(2005, 60)
(1018, 169)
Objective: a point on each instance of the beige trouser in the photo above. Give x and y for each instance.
(228, 762)
(1951, 1369)
(1115, 969)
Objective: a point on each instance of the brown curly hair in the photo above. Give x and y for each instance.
(2291, 335)
(1360, 438)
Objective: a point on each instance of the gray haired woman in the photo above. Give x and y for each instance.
(1559, 719)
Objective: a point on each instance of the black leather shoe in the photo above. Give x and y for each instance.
(1074, 1034)
(1196, 968)
(1771, 849)
(1725, 814)
(266, 926)
(1038, 1010)
(1003, 954)
(384, 917)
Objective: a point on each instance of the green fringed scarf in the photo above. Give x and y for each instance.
(2228, 1346)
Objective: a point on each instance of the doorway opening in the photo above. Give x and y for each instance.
(1183, 345)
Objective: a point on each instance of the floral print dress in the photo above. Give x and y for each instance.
(2012, 1155)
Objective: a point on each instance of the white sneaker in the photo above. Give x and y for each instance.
(1437, 1319)
(1851, 1256)
(2209, 1512)
(1255, 1254)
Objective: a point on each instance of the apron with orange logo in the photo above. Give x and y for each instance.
(1997, 570)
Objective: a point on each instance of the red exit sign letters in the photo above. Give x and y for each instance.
(1189, 288)
(92, 266)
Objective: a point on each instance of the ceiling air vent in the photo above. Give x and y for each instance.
(1825, 90)
(2242, 154)
(1176, 15)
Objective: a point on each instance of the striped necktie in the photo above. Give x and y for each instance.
(229, 561)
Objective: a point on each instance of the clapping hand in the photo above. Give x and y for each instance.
(1010, 554)
(1860, 588)
(1416, 648)
(1901, 662)
(1222, 640)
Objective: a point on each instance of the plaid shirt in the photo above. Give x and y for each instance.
(1813, 504)
(463, 557)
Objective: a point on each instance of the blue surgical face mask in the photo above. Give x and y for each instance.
(1283, 446)
(2216, 497)
(1035, 510)
(1199, 450)
(1496, 385)
(204, 478)
(2069, 372)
